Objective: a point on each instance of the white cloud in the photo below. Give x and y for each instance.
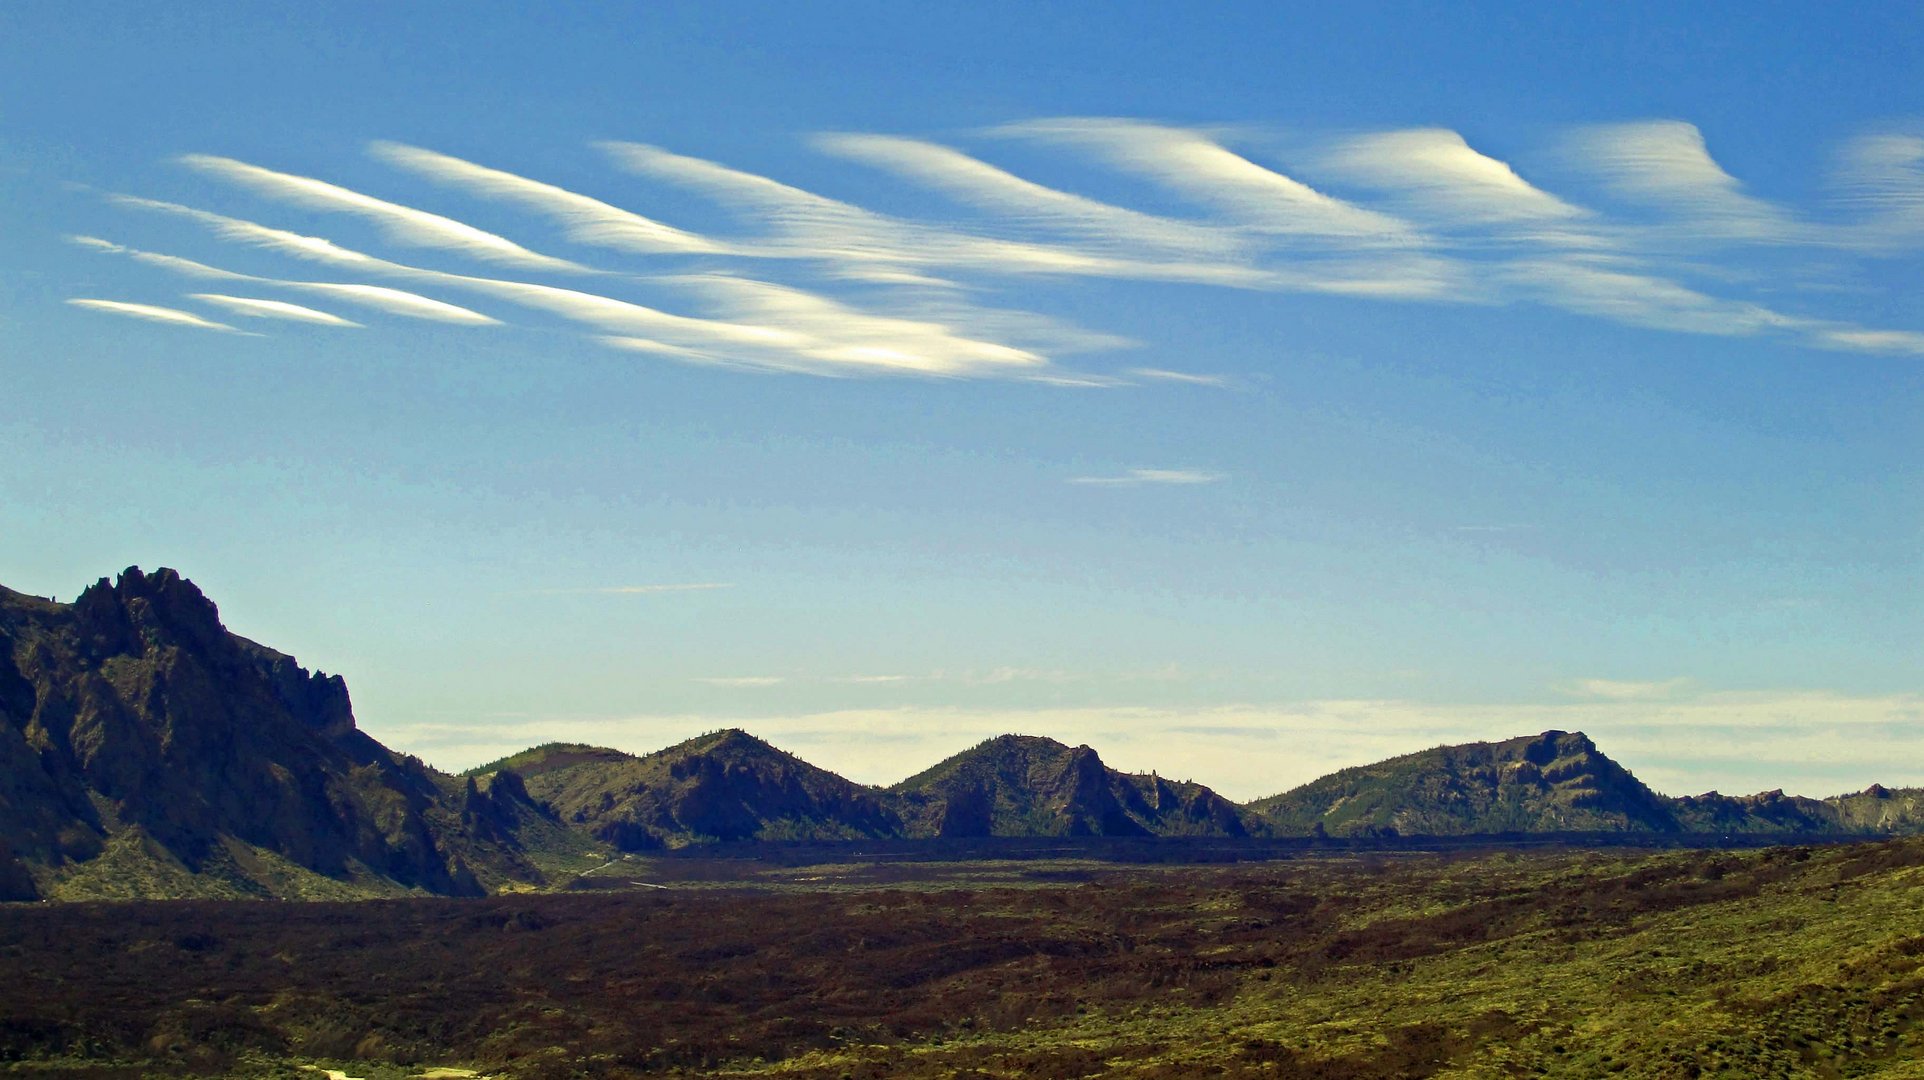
(1152, 476)
(1188, 377)
(1030, 204)
(1590, 288)
(378, 297)
(796, 331)
(402, 224)
(875, 246)
(273, 309)
(1625, 690)
(1198, 166)
(152, 313)
(583, 219)
(838, 336)
(1883, 178)
(1438, 174)
(1666, 163)
(1910, 342)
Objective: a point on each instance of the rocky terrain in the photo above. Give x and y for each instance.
(1025, 785)
(724, 786)
(146, 751)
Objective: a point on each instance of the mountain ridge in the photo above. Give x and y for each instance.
(146, 750)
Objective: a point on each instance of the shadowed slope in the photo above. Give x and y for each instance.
(1024, 785)
(727, 785)
(1552, 782)
(144, 750)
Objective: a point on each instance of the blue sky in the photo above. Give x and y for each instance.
(1245, 391)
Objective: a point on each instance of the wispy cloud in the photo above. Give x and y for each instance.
(583, 219)
(1909, 342)
(743, 680)
(401, 224)
(152, 313)
(1191, 162)
(1024, 202)
(1437, 173)
(378, 297)
(1136, 477)
(867, 245)
(1188, 377)
(1415, 215)
(796, 330)
(1665, 163)
(1882, 177)
(273, 309)
(1625, 690)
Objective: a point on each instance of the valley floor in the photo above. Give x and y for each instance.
(1782, 962)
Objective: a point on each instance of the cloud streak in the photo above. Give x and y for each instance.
(377, 297)
(152, 313)
(1138, 477)
(254, 308)
(401, 224)
(583, 219)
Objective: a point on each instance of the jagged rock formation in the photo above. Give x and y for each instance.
(1023, 785)
(144, 750)
(723, 786)
(1553, 782)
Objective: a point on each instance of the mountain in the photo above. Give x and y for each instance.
(146, 751)
(1553, 782)
(727, 785)
(1024, 785)
(1558, 782)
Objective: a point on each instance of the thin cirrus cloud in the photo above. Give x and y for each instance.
(377, 297)
(1188, 378)
(583, 219)
(401, 224)
(1667, 164)
(256, 308)
(1416, 215)
(865, 245)
(1435, 174)
(800, 332)
(1139, 477)
(1024, 202)
(152, 313)
(1882, 178)
(1188, 161)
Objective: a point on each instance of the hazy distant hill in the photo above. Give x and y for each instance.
(146, 751)
(1557, 782)
(1551, 782)
(727, 785)
(1024, 785)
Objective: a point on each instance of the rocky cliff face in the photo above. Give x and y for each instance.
(133, 726)
(1023, 785)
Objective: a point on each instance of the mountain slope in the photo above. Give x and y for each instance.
(1555, 781)
(1024, 785)
(144, 750)
(723, 786)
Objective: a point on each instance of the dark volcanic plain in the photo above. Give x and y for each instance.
(1787, 961)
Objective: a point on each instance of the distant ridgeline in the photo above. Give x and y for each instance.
(147, 752)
